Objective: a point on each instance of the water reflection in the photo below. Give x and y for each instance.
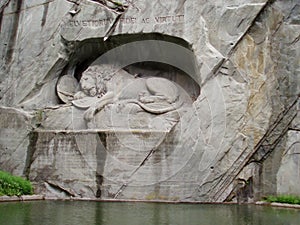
(79, 213)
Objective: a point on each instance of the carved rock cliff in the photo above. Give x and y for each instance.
(233, 137)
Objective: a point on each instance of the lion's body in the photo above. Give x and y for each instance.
(153, 94)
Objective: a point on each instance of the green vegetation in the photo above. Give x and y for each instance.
(117, 3)
(13, 185)
(290, 199)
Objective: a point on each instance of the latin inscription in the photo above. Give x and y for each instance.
(127, 21)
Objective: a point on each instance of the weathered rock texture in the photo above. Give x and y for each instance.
(235, 140)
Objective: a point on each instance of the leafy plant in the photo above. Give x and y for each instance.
(117, 3)
(14, 185)
(290, 199)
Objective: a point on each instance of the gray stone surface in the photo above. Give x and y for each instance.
(15, 144)
(288, 175)
(64, 165)
(232, 65)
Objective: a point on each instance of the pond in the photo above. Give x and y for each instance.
(88, 213)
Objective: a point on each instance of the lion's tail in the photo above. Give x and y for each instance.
(152, 110)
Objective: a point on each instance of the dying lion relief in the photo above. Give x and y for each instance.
(114, 98)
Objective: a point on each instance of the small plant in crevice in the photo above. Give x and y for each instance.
(14, 185)
(39, 115)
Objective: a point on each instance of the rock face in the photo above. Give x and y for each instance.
(180, 100)
(15, 140)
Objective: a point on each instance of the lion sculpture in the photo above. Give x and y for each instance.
(103, 85)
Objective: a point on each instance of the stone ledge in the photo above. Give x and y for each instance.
(96, 131)
(21, 198)
(42, 197)
(277, 204)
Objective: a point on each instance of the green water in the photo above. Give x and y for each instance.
(87, 213)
